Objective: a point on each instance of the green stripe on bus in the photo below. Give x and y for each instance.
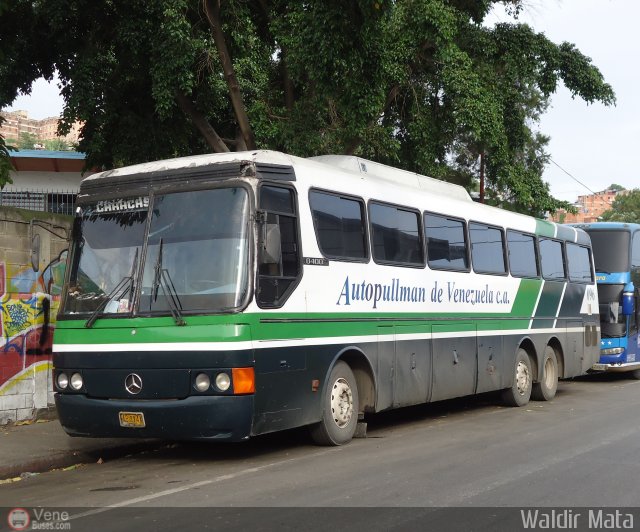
(544, 228)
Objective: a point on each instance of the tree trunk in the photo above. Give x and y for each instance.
(482, 176)
(209, 134)
(212, 11)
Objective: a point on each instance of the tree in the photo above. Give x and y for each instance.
(419, 84)
(614, 186)
(625, 208)
(58, 143)
(5, 160)
(27, 141)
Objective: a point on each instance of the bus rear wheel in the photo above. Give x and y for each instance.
(545, 390)
(520, 391)
(339, 408)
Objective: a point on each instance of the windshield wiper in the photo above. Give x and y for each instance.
(120, 286)
(132, 287)
(126, 284)
(161, 278)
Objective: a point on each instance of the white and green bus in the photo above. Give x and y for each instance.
(222, 296)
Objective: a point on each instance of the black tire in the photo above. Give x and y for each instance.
(635, 374)
(339, 408)
(545, 390)
(520, 391)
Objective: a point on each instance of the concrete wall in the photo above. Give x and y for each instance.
(25, 294)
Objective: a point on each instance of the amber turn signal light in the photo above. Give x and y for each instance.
(244, 380)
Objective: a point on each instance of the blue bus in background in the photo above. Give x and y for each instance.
(616, 253)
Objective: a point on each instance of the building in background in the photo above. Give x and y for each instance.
(43, 180)
(18, 122)
(590, 207)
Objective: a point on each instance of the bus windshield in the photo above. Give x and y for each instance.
(196, 254)
(610, 250)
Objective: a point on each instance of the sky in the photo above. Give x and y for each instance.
(591, 146)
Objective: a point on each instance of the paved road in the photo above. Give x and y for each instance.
(580, 450)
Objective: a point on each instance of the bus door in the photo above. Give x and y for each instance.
(455, 360)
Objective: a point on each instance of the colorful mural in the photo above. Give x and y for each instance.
(28, 304)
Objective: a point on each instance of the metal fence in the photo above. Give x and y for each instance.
(57, 201)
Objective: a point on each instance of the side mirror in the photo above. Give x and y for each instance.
(271, 250)
(35, 252)
(628, 302)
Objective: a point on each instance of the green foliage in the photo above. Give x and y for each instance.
(418, 84)
(614, 186)
(625, 208)
(57, 144)
(5, 160)
(27, 141)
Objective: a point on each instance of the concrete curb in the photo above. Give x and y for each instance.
(60, 460)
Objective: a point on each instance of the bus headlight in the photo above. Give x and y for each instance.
(223, 381)
(62, 381)
(612, 351)
(76, 381)
(203, 382)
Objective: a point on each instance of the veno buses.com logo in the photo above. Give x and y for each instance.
(18, 519)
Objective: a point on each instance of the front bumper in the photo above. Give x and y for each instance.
(616, 367)
(226, 418)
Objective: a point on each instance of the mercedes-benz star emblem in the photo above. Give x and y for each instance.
(133, 383)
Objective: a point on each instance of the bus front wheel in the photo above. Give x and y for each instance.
(339, 408)
(520, 391)
(545, 390)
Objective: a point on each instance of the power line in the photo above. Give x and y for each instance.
(574, 178)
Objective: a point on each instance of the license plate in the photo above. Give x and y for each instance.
(132, 419)
(599, 367)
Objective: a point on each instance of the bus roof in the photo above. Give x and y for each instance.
(606, 226)
(394, 175)
(357, 168)
(352, 164)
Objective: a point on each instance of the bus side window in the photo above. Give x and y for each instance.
(579, 263)
(487, 249)
(446, 243)
(552, 260)
(279, 249)
(523, 259)
(339, 224)
(395, 235)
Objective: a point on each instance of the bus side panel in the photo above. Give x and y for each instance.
(283, 392)
(412, 367)
(455, 363)
(548, 305)
(580, 353)
(384, 367)
(491, 363)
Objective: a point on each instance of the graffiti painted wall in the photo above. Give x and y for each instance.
(32, 262)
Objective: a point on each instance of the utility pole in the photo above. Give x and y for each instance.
(482, 177)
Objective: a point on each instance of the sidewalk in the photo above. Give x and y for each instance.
(43, 445)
